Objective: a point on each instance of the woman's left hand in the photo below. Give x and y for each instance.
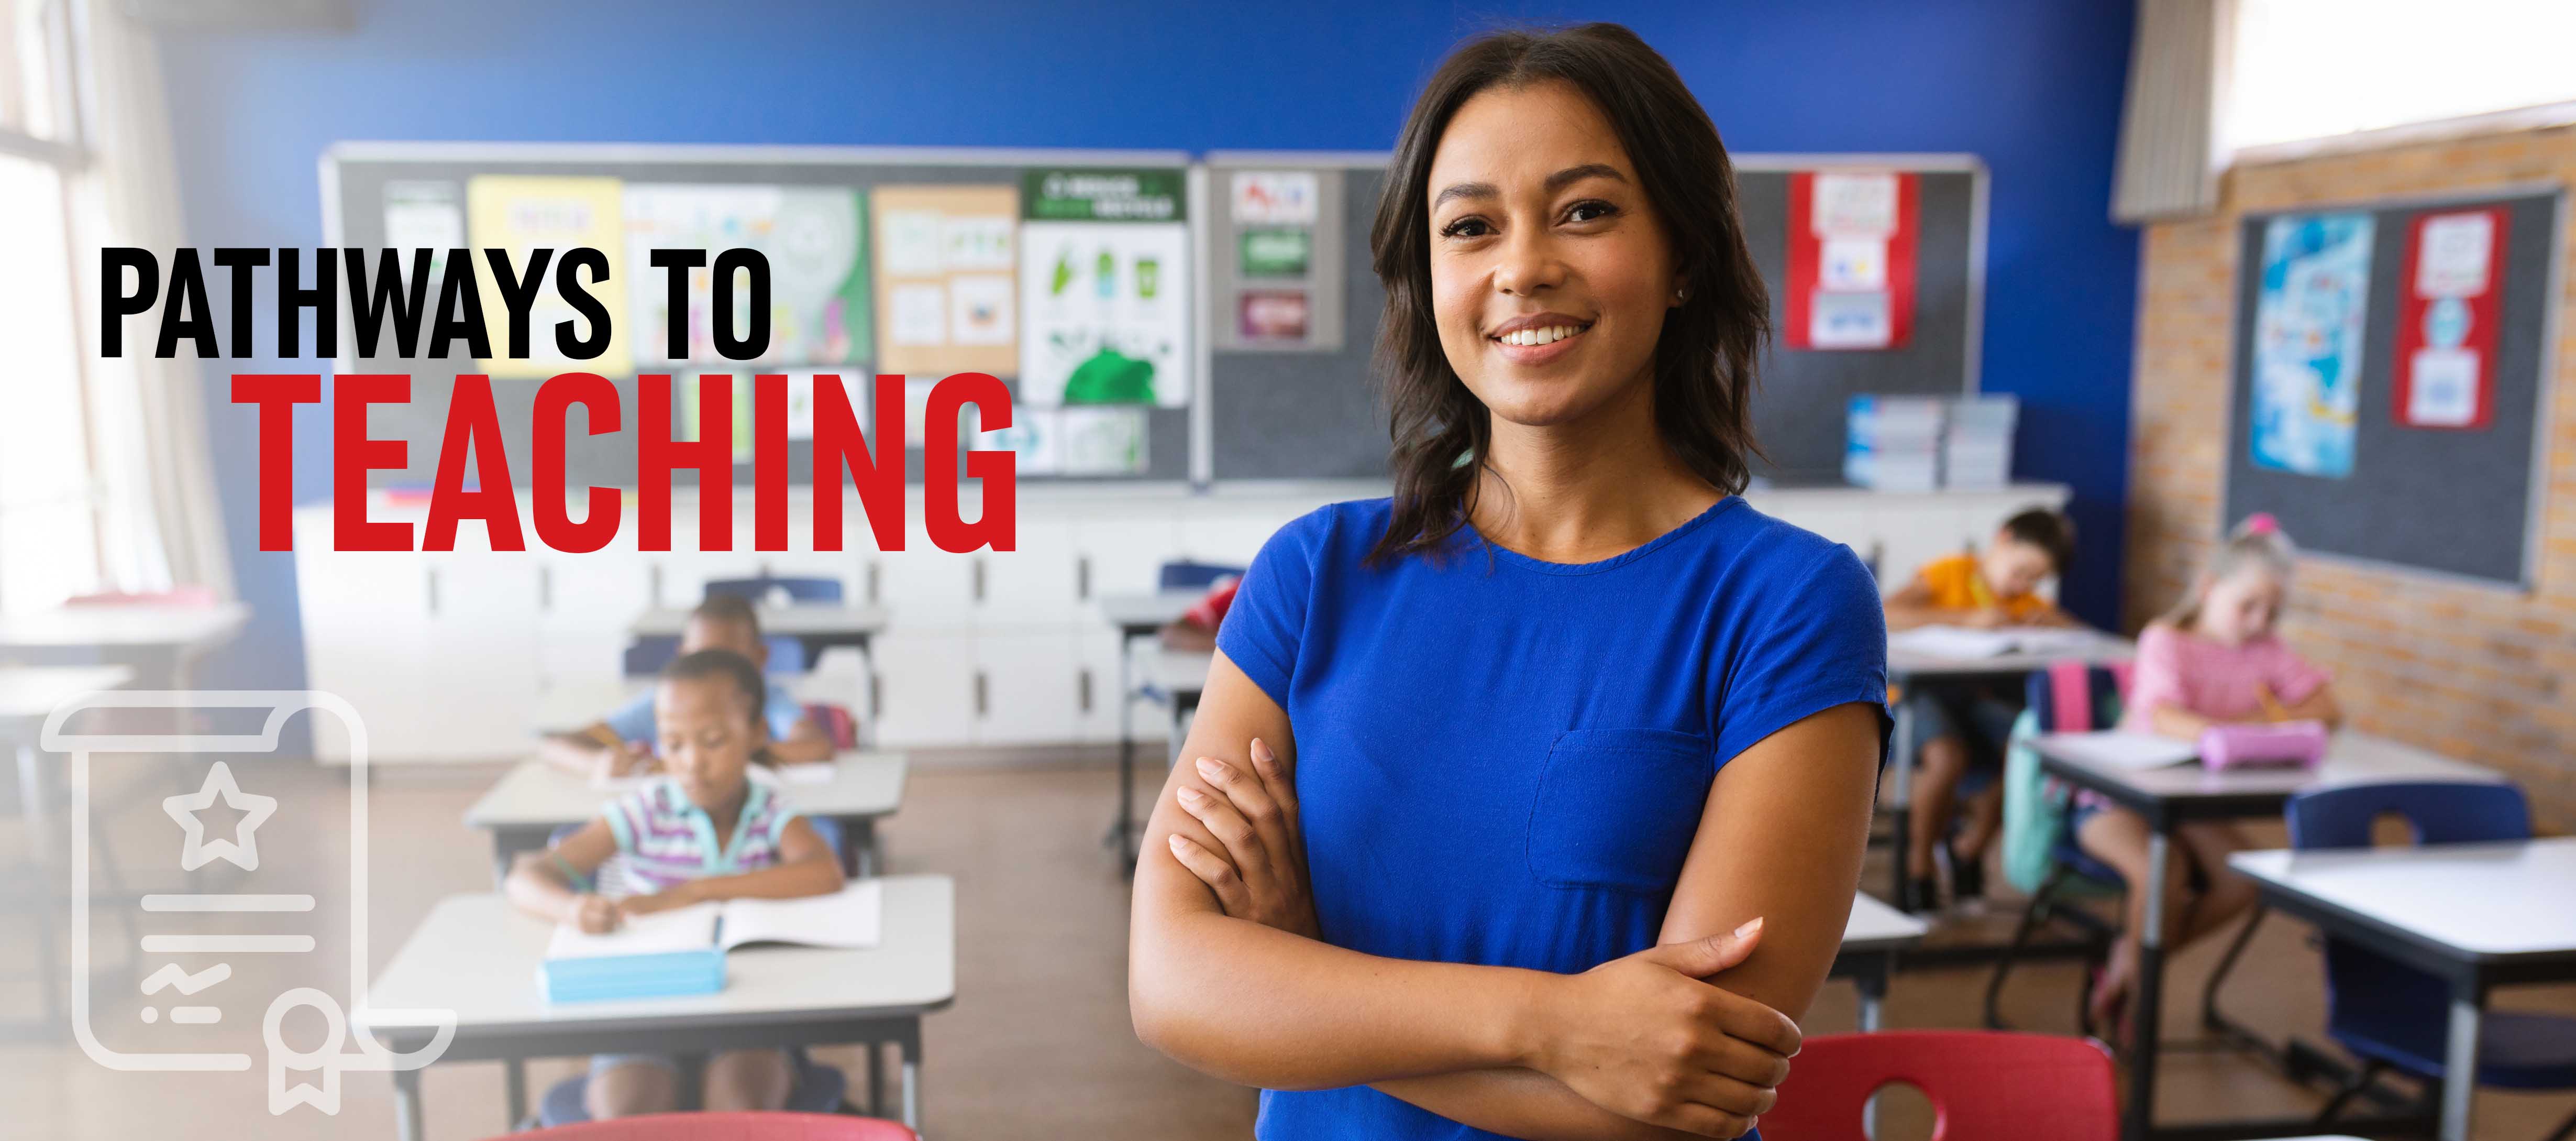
(1258, 871)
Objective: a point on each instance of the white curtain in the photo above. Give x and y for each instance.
(161, 520)
(2168, 166)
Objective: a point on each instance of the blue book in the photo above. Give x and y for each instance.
(682, 951)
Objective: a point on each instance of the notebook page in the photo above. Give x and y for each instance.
(850, 917)
(691, 928)
(1953, 642)
(2117, 750)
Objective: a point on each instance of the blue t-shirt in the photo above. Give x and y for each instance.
(1503, 761)
(633, 721)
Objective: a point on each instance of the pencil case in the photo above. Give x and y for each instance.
(2301, 743)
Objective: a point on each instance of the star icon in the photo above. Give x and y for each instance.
(242, 849)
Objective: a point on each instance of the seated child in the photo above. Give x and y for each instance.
(622, 742)
(2214, 660)
(1963, 725)
(703, 831)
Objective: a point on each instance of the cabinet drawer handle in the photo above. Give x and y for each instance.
(545, 590)
(979, 581)
(876, 696)
(430, 587)
(1083, 685)
(983, 694)
(657, 585)
(872, 582)
(1082, 578)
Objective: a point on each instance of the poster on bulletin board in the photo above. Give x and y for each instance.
(1851, 253)
(2443, 372)
(1104, 288)
(945, 257)
(2308, 322)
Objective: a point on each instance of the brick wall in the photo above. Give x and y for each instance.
(2486, 674)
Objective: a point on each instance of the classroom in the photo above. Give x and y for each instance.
(620, 570)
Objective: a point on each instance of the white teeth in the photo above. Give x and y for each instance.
(1539, 336)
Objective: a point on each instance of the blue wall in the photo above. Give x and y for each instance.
(2033, 86)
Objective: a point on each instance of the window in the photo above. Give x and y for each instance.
(2309, 74)
(48, 477)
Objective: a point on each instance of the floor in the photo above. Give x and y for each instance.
(1038, 1043)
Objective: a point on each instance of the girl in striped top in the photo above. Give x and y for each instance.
(702, 831)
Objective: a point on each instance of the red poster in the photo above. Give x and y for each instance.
(2447, 311)
(1851, 259)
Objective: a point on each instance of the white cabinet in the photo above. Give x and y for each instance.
(447, 656)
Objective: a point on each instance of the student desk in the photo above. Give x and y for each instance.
(477, 956)
(1872, 937)
(159, 640)
(1905, 667)
(2174, 794)
(1137, 616)
(2472, 915)
(28, 695)
(820, 626)
(535, 798)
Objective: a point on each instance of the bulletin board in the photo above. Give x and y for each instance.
(1312, 411)
(2445, 484)
(399, 195)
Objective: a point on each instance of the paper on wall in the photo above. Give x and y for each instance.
(522, 213)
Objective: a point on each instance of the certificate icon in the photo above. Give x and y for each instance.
(194, 944)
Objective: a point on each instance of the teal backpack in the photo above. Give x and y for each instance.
(2067, 697)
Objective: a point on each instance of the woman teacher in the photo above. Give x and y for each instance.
(1530, 801)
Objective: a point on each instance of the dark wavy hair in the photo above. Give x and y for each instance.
(1706, 357)
(736, 672)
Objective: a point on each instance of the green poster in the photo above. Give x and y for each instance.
(1149, 194)
(1276, 253)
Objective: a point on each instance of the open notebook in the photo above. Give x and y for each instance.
(682, 951)
(1962, 642)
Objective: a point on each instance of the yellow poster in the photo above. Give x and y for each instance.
(520, 213)
(946, 279)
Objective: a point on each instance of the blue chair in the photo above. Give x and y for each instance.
(2072, 874)
(649, 656)
(2394, 1016)
(1182, 574)
(799, 589)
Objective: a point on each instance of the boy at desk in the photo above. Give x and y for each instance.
(702, 831)
(622, 743)
(1964, 724)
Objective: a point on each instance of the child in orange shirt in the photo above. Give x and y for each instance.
(1963, 725)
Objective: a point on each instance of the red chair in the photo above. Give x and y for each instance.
(726, 1127)
(1982, 1084)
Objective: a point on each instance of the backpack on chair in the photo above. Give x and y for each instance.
(2067, 697)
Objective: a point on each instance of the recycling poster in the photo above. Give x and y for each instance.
(1104, 288)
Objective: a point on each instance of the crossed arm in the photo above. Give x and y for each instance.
(1689, 1036)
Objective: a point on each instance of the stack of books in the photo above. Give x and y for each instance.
(1893, 443)
(1976, 445)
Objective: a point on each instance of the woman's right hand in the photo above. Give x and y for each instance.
(594, 914)
(1643, 1037)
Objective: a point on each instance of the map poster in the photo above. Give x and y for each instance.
(2308, 321)
(814, 238)
(520, 213)
(945, 256)
(1104, 288)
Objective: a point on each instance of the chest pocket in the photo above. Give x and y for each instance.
(1616, 808)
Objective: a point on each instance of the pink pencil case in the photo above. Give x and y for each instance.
(2286, 743)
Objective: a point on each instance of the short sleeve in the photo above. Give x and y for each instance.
(1823, 644)
(782, 712)
(625, 818)
(633, 721)
(2155, 678)
(1267, 620)
(2294, 679)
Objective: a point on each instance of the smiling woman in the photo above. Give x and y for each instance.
(1530, 801)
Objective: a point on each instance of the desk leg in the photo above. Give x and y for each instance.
(876, 1079)
(2147, 1006)
(2460, 1063)
(910, 1044)
(1125, 830)
(1872, 984)
(514, 1076)
(1900, 803)
(860, 858)
(407, 1123)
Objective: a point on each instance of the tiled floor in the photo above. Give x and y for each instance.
(1038, 1043)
